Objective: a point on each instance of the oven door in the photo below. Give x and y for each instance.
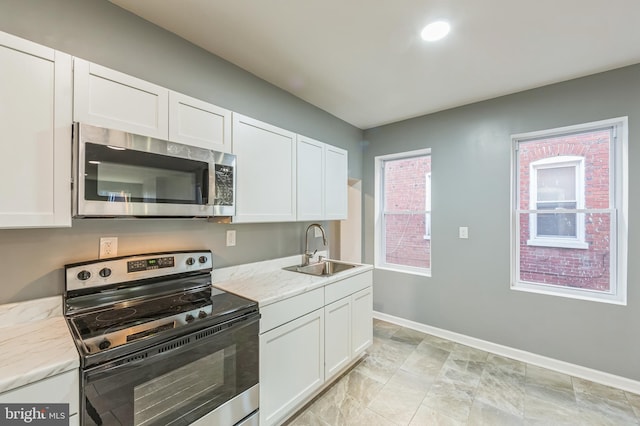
(123, 174)
(178, 382)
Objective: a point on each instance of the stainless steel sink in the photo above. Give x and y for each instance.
(323, 268)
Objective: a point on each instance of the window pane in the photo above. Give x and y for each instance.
(405, 242)
(569, 267)
(405, 184)
(557, 224)
(557, 183)
(592, 146)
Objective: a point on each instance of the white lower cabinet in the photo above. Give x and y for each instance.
(291, 365)
(337, 349)
(348, 319)
(308, 340)
(361, 320)
(59, 389)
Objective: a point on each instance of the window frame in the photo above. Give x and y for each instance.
(618, 209)
(550, 241)
(427, 207)
(379, 203)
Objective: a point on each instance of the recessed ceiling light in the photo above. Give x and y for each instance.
(435, 31)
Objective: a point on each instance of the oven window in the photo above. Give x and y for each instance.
(181, 388)
(124, 175)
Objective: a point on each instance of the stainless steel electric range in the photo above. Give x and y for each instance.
(160, 346)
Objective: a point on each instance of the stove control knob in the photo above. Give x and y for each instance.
(105, 272)
(104, 344)
(203, 259)
(202, 314)
(191, 261)
(189, 318)
(84, 275)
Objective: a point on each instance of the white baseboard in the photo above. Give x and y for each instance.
(601, 377)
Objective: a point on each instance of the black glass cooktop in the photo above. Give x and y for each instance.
(207, 302)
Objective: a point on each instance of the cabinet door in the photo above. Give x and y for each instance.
(108, 98)
(291, 365)
(337, 344)
(35, 118)
(266, 183)
(198, 123)
(336, 183)
(361, 320)
(310, 170)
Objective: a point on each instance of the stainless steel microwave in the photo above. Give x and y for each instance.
(120, 174)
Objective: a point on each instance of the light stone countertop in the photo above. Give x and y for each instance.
(35, 342)
(266, 282)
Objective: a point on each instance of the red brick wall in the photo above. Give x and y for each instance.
(568, 266)
(405, 190)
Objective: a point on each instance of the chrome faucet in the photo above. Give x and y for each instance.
(307, 254)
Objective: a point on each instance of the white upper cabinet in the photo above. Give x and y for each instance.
(322, 181)
(266, 182)
(198, 123)
(35, 118)
(310, 170)
(108, 98)
(336, 183)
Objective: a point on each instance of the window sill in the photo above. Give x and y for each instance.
(407, 270)
(558, 243)
(570, 293)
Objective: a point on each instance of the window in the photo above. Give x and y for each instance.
(570, 209)
(403, 212)
(557, 184)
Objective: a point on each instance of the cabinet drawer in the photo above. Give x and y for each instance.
(287, 310)
(344, 288)
(61, 388)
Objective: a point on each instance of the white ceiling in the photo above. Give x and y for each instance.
(364, 62)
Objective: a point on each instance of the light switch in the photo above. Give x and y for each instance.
(463, 232)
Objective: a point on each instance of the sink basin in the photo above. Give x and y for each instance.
(324, 268)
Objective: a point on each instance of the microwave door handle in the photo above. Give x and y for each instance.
(212, 184)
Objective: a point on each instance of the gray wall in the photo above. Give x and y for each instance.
(469, 291)
(96, 30)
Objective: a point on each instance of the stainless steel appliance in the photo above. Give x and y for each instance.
(160, 346)
(119, 174)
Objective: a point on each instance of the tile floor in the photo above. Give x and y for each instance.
(411, 378)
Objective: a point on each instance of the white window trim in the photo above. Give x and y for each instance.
(379, 241)
(619, 186)
(427, 207)
(578, 241)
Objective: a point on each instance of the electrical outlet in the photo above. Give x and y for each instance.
(463, 232)
(231, 237)
(108, 247)
(317, 232)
